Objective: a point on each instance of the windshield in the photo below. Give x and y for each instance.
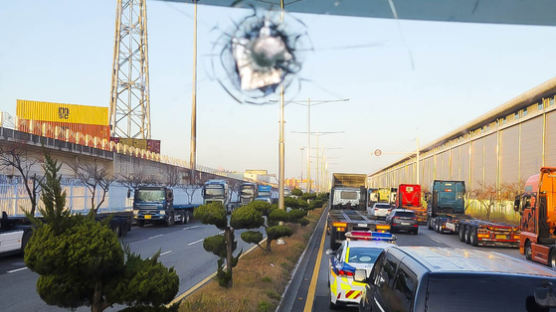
(247, 191)
(483, 293)
(264, 194)
(150, 195)
(214, 191)
(363, 255)
(349, 195)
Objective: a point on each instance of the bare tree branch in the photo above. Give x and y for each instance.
(15, 155)
(95, 178)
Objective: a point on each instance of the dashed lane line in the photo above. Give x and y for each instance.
(191, 227)
(195, 242)
(17, 270)
(166, 253)
(156, 236)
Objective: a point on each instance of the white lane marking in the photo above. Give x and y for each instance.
(17, 270)
(195, 242)
(191, 227)
(156, 236)
(165, 253)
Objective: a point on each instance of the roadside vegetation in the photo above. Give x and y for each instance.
(80, 261)
(261, 276)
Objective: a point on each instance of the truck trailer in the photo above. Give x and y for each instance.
(347, 208)
(446, 214)
(537, 206)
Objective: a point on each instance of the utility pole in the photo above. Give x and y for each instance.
(193, 142)
(281, 144)
(308, 104)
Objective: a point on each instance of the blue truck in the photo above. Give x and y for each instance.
(266, 193)
(158, 205)
(216, 190)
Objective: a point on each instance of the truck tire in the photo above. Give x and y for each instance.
(467, 235)
(528, 252)
(118, 230)
(429, 223)
(169, 220)
(461, 233)
(333, 239)
(473, 239)
(552, 259)
(25, 240)
(187, 217)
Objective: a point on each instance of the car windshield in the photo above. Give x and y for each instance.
(488, 293)
(382, 206)
(150, 195)
(363, 255)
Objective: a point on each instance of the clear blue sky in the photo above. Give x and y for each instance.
(61, 51)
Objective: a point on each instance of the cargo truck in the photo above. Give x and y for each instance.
(216, 191)
(409, 197)
(161, 205)
(537, 206)
(446, 214)
(247, 192)
(347, 208)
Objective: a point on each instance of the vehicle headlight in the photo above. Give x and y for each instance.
(135, 212)
(162, 212)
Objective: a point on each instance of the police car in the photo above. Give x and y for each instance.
(359, 251)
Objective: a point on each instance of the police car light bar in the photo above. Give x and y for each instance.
(370, 235)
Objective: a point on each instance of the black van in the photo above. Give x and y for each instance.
(411, 279)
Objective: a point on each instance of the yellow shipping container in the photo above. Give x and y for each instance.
(58, 112)
(137, 143)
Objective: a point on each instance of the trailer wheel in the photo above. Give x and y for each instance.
(25, 240)
(118, 230)
(186, 217)
(429, 223)
(467, 235)
(528, 253)
(552, 262)
(473, 239)
(461, 233)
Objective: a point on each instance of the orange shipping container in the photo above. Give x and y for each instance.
(58, 112)
(48, 129)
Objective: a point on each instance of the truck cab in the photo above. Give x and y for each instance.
(247, 192)
(409, 197)
(153, 204)
(446, 205)
(216, 191)
(537, 206)
(14, 234)
(264, 193)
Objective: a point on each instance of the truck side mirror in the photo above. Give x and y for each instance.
(517, 202)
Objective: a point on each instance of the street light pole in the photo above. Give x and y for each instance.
(308, 145)
(193, 142)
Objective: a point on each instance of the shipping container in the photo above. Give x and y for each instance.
(58, 112)
(146, 144)
(77, 132)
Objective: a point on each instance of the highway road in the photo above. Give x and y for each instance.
(300, 293)
(181, 246)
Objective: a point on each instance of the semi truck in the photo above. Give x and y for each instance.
(537, 206)
(347, 208)
(409, 197)
(216, 190)
(267, 194)
(446, 214)
(247, 192)
(161, 205)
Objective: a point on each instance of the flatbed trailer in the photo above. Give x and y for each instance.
(342, 221)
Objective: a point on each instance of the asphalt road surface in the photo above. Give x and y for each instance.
(181, 246)
(296, 295)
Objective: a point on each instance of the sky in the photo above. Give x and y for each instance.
(411, 79)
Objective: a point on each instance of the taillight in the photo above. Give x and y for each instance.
(345, 273)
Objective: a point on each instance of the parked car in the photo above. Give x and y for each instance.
(436, 279)
(403, 220)
(359, 251)
(379, 210)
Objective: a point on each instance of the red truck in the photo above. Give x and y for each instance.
(537, 206)
(409, 197)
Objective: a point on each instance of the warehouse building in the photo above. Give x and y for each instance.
(502, 147)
